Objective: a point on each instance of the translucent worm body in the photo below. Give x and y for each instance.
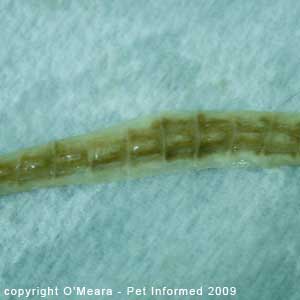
(148, 146)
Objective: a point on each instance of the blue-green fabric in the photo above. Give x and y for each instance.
(70, 67)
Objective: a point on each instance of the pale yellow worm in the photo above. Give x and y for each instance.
(152, 145)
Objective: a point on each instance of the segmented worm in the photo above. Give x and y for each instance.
(148, 146)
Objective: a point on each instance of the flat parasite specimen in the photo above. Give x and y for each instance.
(159, 144)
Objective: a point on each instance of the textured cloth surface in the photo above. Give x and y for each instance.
(70, 67)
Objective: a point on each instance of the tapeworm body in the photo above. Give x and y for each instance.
(165, 143)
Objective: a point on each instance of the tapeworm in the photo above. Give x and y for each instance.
(154, 145)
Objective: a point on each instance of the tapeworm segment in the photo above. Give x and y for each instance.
(153, 145)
